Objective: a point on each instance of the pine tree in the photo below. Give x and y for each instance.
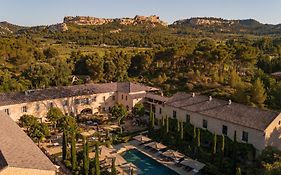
(258, 93)
(86, 156)
(97, 162)
(73, 153)
(235, 79)
(113, 168)
(64, 145)
(215, 144)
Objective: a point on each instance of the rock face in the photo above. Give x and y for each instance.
(61, 27)
(205, 21)
(86, 20)
(217, 22)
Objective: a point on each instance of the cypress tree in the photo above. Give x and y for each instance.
(198, 138)
(97, 162)
(167, 124)
(181, 130)
(222, 150)
(113, 168)
(151, 121)
(238, 171)
(73, 153)
(234, 152)
(86, 156)
(64, 145)
(194, 134)
(222, 144)
(178, 126)
(215, 144)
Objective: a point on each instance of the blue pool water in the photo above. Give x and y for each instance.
(147, 165)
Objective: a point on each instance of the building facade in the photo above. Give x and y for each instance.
(89, 98)
(252, 125)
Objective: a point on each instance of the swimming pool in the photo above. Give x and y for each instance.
(147, 165)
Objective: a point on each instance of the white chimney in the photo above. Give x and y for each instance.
(193, 94)
(229, 102)
(210, 98)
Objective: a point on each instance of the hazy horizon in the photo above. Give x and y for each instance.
(33, 13)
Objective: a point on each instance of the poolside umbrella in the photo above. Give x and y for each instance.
(105, 152)
(173, 154)
(142, 138)
(192, 164)
(155, 145)
(119, 160)
(128, 167)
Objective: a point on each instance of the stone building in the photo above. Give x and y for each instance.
(89, 98)
(18, 153)
(255, 126)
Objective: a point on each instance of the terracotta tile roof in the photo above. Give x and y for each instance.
(239, 114)
(129, 87)
(138, 95)
(156, 97)
(18, 150)
(69, 91)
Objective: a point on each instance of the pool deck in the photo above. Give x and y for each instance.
(171, 165)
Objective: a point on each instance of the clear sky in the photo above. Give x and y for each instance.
(43, 12)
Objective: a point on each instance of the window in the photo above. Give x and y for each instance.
(77, 101)
(122, 97)
(65, 103)
(37, 106)
(245, 136)
(87, 101)
(24, 109)
(175, 114)
(113, 98)
(126, 97)
(7, 111)
(279, 122)
(95, 98)
(187, 118)
(205, 124)
(224, 130)
(103, 98)
(50, 104)
(160, 110)
(103, 109)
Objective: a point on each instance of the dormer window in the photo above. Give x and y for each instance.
(7, 111)
(24, 109)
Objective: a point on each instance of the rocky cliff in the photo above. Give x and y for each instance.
(217, 22)
(86, 20)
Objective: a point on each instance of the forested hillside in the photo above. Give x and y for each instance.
(235, 65)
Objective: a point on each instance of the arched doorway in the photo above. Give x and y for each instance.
(87, 111)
